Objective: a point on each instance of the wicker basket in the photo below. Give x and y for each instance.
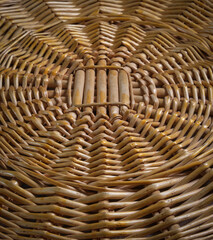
(106, 127)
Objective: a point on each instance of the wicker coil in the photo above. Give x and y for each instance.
(106, 127)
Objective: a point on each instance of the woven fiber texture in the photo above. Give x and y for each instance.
(106, 127)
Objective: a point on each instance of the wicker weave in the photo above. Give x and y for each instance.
(106, 127)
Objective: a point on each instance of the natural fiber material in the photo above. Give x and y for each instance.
(106, 125)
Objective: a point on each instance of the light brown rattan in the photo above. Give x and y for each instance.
(106, 125)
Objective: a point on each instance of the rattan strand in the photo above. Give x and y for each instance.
(106, 125)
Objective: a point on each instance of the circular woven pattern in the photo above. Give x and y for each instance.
(106, 119)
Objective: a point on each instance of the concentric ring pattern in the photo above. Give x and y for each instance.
(106, 125)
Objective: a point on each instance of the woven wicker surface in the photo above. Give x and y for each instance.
(106, 125)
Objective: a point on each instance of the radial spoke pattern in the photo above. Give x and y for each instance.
(106, 127)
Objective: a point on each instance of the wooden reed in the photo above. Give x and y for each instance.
(106, 127)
